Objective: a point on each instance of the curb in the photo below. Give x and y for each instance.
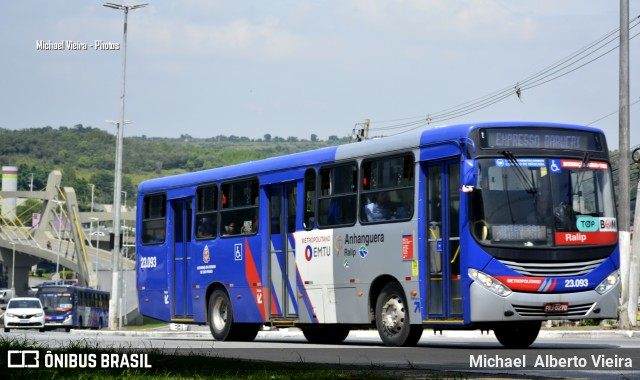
(296, 333)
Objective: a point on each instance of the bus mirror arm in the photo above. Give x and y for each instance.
(469, 176)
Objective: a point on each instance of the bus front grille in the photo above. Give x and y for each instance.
(538, 311)
(575, 268)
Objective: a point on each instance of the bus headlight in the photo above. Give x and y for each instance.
(489, 282)
(611, 281)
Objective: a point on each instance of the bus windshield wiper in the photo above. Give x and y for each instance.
(583, 166)
(585, 160)
(528, 183)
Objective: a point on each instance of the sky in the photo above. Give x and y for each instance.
(296, 68)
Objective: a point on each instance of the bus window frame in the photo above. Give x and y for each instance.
(146, 220)
(332, 195)
(410, 188)
(223, 198)
(212, 214)
(310, 200)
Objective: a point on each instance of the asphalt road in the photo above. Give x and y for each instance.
(590, 355)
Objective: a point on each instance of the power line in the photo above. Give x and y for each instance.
(563, 67)
(612, 113)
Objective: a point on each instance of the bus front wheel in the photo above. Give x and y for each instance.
(221, 321)
(517, 334)
(392, 318)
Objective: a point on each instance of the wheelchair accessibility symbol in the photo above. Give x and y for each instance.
(238, 252)
(555, 168)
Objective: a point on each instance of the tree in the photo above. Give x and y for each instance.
(267, 137)
(314, 137)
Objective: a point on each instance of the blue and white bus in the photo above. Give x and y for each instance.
(70, 307)
(478, 226)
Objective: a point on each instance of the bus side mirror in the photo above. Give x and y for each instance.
(468, 171)
(469, 175)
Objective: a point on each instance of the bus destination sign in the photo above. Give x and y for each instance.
(532, 138)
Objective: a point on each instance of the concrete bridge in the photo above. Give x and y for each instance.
(57, 237)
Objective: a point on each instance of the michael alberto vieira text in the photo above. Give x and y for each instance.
(551, 361)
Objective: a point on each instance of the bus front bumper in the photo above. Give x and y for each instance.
(487, 306)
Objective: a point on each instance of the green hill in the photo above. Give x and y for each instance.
(86, 155)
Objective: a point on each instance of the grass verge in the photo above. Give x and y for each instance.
(84, 360)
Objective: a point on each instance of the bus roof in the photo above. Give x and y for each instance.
(323, 156)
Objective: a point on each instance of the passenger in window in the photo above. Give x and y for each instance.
(403, 211)
(205, 229)
(378, 210)
(230, 229)
(254, 225)
(158, 236)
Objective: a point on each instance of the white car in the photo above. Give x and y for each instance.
(24, 313)
(5, 295)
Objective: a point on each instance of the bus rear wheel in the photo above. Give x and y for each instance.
(221, 320)
(517, 334)
(392, 318)
(331, 334)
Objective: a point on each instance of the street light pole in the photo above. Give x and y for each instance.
(13, 270)
(91, 223)
(97, 237)
(59, 240)
(115, 323)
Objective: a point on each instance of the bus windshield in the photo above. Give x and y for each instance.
(543, 202)
(56, 302)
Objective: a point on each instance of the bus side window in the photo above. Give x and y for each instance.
(206, 212)
(240, 206)
(338, 203)
(387, 189)
(309, 199)
(154, 219)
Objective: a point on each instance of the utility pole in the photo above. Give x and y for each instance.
(624, 205)
(115, 322)
(365, 130)
(362, 133)
(634, 266)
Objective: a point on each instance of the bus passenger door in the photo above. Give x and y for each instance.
(442, 264)
(182, 219)
(282, 260)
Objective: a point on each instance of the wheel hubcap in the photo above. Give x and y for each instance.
(393, 315)
(219, 314)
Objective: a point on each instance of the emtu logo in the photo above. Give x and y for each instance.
(308, 253)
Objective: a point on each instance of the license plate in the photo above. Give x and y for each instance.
(556, 307)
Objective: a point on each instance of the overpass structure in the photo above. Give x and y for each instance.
(57, 237)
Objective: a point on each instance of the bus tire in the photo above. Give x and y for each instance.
(245, 332)
(392, 318)
(517, 334)
(221, 320)
(329, 334)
